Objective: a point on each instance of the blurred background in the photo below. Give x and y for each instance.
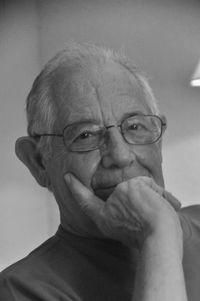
(162, 37)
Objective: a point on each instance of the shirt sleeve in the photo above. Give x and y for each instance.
(190, 221)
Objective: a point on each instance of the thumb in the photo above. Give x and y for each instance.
(89, 203)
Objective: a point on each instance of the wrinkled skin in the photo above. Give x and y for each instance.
(124, 217)
(105, 96)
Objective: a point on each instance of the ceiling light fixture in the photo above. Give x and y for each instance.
(195, 81)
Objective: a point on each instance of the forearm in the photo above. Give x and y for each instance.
(160, 274)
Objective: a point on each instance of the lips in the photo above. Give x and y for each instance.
(104, 182)
(105, 187)
(107, 183)
(104, 192)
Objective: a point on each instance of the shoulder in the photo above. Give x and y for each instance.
(22, 275)
(190, 220)
(42, 275)
(192, 211)
(35, 257)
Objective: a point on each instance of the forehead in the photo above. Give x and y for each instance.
(102, 94)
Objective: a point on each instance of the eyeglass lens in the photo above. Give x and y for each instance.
(138, 129)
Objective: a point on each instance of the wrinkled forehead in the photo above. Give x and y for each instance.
(78, 89)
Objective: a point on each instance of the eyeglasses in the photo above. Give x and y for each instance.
(137, 130)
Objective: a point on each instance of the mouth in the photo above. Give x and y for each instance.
(104, 192)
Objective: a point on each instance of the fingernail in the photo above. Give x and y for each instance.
(68, 178)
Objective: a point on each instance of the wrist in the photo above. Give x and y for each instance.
(164, 222)
(166, 241)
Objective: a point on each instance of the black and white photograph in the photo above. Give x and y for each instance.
(100, 150)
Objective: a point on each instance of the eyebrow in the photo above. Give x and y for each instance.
(84, 121)
(132, 114)
(97, 122)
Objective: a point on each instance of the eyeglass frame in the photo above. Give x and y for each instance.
(163, 126)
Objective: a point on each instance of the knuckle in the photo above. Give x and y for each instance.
(137, 182)
(147, 180)
(121, 187)
(132, 182)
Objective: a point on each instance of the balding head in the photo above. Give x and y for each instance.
(46, 93)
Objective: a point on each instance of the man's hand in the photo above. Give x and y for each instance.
(135, 209)
(139, 213)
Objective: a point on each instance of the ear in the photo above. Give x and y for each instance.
(164, 120)
(27, 151)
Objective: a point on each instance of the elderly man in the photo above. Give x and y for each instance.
(94, 140)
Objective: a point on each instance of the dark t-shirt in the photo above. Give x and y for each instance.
(68, 267)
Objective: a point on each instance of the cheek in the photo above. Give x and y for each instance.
(155, 162)
(151, 158)
(82, 165)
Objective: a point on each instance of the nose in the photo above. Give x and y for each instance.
(116, 151)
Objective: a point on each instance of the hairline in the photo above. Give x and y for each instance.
(42, 86)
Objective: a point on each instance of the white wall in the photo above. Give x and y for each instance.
(24, 207)
(163, 37)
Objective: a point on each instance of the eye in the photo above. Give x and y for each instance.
(85, 135)
(136, 126)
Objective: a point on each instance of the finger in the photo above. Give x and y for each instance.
(174, 202)
(89, 203)
(167, 196)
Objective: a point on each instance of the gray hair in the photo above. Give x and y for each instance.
(41, 108)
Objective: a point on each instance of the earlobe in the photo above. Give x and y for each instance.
(27, 151)
(164, 120)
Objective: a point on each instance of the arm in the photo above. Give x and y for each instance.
(137, 212)
(160, 273)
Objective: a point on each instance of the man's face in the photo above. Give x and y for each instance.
(105, 97)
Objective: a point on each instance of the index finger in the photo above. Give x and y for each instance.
(174, 202)
(89, 203)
